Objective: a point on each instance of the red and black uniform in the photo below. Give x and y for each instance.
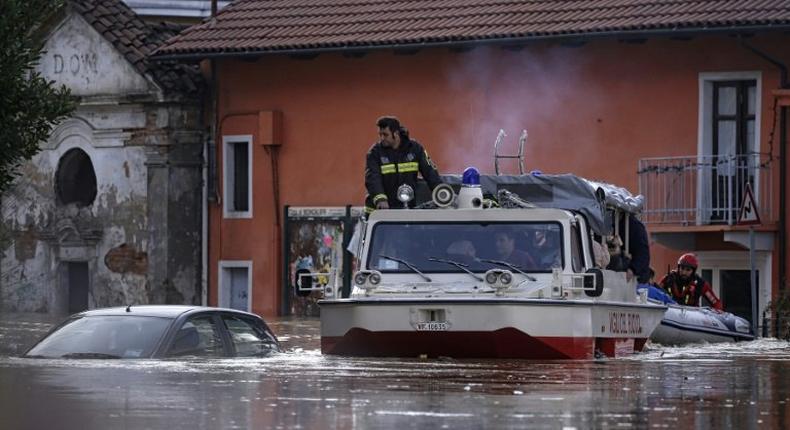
(688, 291)
(388, 168)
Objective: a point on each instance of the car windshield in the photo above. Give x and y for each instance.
(105, 336)
(530, 246)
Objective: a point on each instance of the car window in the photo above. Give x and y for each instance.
(249, 338)
(104, 336)
(200, 337)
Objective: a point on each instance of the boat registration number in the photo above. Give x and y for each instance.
(432, 326)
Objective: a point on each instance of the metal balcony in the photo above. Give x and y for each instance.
(704, 190)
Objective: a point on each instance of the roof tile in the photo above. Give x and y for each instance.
(274, 25)
(135, 40)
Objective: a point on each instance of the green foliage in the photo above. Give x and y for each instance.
(30, 106)
(780, 312)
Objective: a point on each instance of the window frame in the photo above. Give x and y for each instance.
(252, 321)
(227, 348)
(705, 132)
(228, 176)
(578, 263)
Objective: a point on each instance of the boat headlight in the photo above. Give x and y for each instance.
(491, 276)
(360, 278)
(506, 278)
(374, 278)
(405, 193)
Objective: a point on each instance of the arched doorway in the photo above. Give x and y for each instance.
(75, 183)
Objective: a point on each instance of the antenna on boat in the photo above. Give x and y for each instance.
(520, 156)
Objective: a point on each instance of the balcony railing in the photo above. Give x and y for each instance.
(704, 190)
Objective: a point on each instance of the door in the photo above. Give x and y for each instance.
(78, 285)
(736, 293)
(733, 153)
(239, 283)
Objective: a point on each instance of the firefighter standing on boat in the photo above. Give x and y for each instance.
(393, 161)
(686, 287)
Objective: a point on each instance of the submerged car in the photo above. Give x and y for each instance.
(158, 331)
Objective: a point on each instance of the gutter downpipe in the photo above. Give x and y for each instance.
(204, 224)
(207, 146)
(783, 84)
(204, 283)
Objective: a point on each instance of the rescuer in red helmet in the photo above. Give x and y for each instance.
(686, 287)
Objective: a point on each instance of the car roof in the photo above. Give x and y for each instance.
(165, 311)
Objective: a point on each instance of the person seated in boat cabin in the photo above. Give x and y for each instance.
(505, 246)
(686, 287)
(544, 248)
(463, 251)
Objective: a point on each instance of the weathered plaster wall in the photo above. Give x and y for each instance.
(84, 61)
(141, 235)
(60, 233)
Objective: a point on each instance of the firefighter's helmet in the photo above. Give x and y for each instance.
(688, 260)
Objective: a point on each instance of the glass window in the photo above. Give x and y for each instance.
(240, 176)
(104, 337)
(249, 338)
(727, 100)
(237, 174)
(577, 251)
(200, 337)
(531, 246)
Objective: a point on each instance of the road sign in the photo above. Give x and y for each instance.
(748, 214)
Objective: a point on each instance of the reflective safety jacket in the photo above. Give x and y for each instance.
(689, 292)
(388, 168)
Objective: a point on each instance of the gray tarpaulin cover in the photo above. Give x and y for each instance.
(563, 192)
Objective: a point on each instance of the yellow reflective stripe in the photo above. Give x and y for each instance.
(411, 166)
(369, 209)
(378, 197)
(387, 169)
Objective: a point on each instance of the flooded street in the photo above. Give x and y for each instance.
(743, 386)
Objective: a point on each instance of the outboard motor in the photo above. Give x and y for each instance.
(471, 194)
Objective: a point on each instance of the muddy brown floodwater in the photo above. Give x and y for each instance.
(739, 386)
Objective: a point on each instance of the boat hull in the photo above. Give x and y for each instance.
(685, 325)
(528, 329)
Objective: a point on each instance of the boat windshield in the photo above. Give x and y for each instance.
(531, 246)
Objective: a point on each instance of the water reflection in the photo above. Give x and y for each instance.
(721, 386)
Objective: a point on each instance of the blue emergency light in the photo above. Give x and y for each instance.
(470, 178)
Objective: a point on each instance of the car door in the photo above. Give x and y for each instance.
(200, 335)
(248, 336)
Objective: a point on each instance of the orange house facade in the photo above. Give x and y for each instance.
(685, 119)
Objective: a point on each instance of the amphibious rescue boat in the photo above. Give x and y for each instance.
(509, 276)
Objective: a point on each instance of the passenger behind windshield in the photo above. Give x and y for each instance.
(424, 244)
(462, 251)
(505, 246)
(544, 247)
